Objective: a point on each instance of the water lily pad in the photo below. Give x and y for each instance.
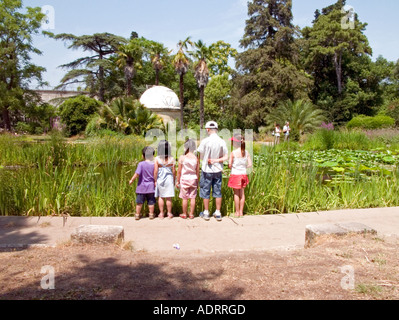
(330, 164)
(389, 159)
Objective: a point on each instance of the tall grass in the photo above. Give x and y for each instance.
(91, 179)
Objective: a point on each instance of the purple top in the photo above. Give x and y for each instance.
(145, 170)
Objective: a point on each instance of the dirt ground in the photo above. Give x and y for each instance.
(119, 272)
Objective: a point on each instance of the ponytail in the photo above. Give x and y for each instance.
(243, 147)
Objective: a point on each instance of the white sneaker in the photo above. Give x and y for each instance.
(218, 216)
(204, 216)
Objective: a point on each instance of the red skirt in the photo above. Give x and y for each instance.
(238, 181)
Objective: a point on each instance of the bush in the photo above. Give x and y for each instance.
(365, 122)
(76, 112)
(393, 111)
(324, 139)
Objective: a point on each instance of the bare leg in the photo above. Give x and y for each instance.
(138, 210)
(185, 205)
(169, 207)
(242, 202)
(206, 204)
(192, 208)
(218, 203)
(161, 204)
(152, 209)
(237, 201)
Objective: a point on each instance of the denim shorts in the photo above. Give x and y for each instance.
(150, 198)
(209, 180)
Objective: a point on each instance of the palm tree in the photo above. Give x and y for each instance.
(129, 59)
(129, 116)
(302, 115)
(181, 63)
(202, 53)
(159, 58)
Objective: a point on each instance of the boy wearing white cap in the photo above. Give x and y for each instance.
(213, 152)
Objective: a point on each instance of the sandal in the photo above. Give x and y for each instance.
(137, 216)
(151, 216)
(183, 216)
(191, 216)
(161, 216)
(170, 216)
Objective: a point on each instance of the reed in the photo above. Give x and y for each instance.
(91, 179)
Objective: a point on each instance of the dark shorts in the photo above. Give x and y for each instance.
(142, 198)
(208, 181)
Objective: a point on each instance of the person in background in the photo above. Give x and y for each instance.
(286, 131)
(277, 133)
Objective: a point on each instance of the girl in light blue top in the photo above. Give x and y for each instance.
(164, 176)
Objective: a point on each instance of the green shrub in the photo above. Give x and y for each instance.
(366, 122)
(393, 110)
(76, 112)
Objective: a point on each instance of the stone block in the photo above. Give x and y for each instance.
(314, 232)
(92, 234)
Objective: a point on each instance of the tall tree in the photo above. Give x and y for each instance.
(268, 69)
(102, 45)
(17, 71)
(202, 54)
(219, 60)
(181, 63)
(159, 56)
(129, 59)
(338, 55)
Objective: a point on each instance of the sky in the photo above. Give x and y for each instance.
(168, 21)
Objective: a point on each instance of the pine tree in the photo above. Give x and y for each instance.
(338, 56)
(268, 71)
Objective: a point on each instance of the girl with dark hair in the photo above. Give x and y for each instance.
(239, 161)
(188, 177)
(164, 176)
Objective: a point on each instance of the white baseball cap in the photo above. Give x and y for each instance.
(211, 125)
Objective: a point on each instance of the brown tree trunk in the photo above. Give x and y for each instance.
(6, 119)
(338, 70)
(182, 101)
(101, 94)
(157, 77)
(202, 113)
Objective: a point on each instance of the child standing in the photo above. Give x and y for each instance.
(164, 177)
(188, 177)
(145, 188)
(277, 133)
(239, 161)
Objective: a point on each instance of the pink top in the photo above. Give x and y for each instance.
(189, 169)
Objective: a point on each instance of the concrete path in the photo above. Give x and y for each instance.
(250, 233)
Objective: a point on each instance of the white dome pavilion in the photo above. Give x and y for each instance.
(163, 101)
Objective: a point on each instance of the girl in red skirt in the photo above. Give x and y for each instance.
(240, 160)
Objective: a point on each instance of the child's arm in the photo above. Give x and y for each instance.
(155, 172)
(220, 160)
(179, 169)
(198, 168)
(133, 178)
(174, 170)
(249, 163)
(231, 160)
